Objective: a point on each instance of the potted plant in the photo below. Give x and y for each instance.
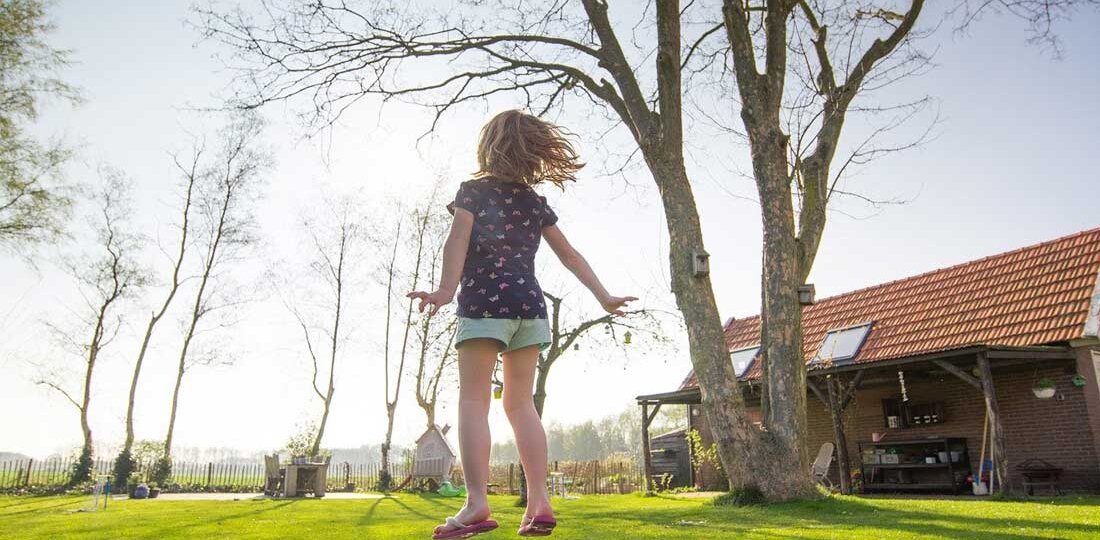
(1044, 389)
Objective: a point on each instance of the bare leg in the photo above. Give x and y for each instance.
(519, 377)
(476, 360)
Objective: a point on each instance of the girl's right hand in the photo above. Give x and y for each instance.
(437, 299)
(615, 304)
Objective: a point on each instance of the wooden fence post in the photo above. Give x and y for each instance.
(27, 480)
(511, 486)
(209, 473)
(596, 477)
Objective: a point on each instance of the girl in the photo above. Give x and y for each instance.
(498, 222)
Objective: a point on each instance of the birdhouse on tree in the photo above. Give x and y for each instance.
(434, 456)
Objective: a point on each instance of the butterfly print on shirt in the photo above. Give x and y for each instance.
(507, 224)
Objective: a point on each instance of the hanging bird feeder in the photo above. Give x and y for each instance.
(498, 391)
(901, 380)
(627, 337)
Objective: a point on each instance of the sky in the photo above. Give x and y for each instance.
(1010, 165)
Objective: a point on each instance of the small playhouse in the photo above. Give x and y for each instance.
(434, 457)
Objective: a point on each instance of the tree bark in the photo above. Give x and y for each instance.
(155, 318)
(836, 412)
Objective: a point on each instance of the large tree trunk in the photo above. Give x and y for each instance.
(785, 383)
(722, 401)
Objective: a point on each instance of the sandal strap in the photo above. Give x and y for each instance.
(456, 523)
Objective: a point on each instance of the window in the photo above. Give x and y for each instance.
(742, 359)
(842, 345)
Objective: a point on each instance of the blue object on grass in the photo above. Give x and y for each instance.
(141, 492)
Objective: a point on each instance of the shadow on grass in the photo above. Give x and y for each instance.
(36, 509)
(183, 527)
(836, 515)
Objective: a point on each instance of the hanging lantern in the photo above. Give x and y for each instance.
(901, 379)
(498, 391)
(576, 346)
(626, 337)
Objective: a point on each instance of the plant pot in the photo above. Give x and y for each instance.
(1043, 393)
(153, 492)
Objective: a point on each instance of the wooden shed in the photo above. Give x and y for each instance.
(434, 456)
(670, 454)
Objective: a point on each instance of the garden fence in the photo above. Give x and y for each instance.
(596, 477)
(578, 477)
(233, 477)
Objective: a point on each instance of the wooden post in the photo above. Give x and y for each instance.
(30, 465)
(844, 466)
(998, 442)
(836, 398)
(511, 472)
(596, 477)
(209, 473)
(646, 458)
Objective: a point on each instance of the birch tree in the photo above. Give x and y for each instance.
(228, 184)
(333, 54)
(419, 252)
(106, 277)
(125, 463)
(336, 240)
(435, 332)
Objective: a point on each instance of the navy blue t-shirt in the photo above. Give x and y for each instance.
(498, 278)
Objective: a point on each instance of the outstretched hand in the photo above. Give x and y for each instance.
(436, 299)
(615, 304)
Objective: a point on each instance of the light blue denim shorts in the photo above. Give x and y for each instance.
(512, 334)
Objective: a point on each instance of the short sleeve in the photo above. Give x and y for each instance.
(466, 199)
(548, 216)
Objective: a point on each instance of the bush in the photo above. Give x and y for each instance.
(162, 471)
(124, 468)
(385, 481)
(82, 469)
(743, 496)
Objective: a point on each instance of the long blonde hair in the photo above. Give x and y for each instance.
(518, 147)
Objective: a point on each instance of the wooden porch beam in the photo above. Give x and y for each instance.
(997, 443)
(652, 415)
(646, 458)
(817, 391)
(850, 391)
(954, 370)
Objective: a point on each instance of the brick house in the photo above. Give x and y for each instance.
(940, 357)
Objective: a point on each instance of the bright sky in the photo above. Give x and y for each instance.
(1011, 166)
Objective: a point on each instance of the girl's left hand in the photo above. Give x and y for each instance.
(614, 304)
(437, 299)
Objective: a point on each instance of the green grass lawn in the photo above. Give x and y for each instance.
(593, 517)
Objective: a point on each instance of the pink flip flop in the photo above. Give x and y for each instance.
(538, 526)
(461, 530)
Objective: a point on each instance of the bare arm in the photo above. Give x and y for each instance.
(576, 263)
(454, 256)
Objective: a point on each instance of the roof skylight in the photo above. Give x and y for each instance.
(842, 345)
(742, 359)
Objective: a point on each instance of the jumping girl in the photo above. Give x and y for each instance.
(499, 220)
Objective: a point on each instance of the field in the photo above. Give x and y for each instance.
(589, 517)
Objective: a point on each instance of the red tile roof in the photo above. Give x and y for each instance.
(1031, 296)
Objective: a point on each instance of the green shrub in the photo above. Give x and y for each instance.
(124, 468)
(743, 496)
(82, 468)
(162, 471)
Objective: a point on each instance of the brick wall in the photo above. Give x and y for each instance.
(1057, 430)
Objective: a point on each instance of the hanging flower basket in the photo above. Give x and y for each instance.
(1044, 389)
